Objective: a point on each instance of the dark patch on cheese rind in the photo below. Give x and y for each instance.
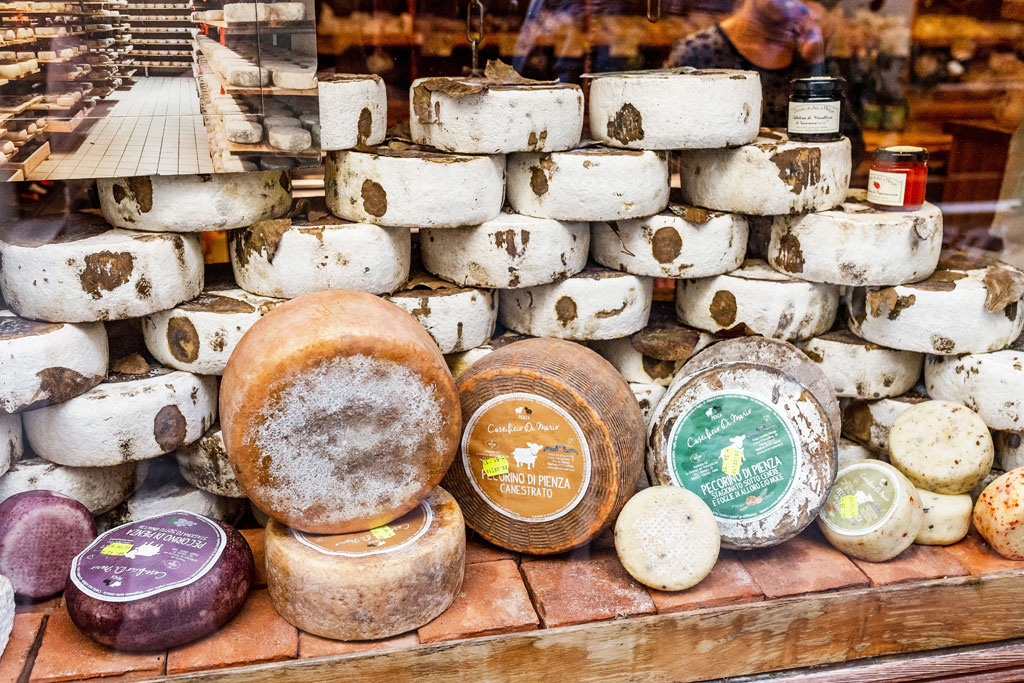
(131, 364)
(140, 190)
(665, 338)
(506, 239)
(666, 245)
(60, 384)
(375, 198)
(942, 344)
(169, 428)
(105, 271)
(723, 308)
(13, 327)
(611, 312)
(626, 125)
(799, 168)
(879, 299)
(538, 181)
(182, 339)
(790, 257)
(365, 126)
(1003, 286)
(565, 309)
(658, 369)
(693, 214)
(216, 303)
(262, 237)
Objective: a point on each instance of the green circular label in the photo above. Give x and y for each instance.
(736, 452)
(862, 499)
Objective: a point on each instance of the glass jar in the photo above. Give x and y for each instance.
(814, 109)
(897, 179)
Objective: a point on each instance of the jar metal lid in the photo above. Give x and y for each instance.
(819, 86)
(905, 153)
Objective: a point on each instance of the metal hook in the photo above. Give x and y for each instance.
(477, 36)
(653, 17)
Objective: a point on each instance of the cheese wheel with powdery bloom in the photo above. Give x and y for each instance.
(861, 369)
(338, 412)
(97, 488)
(12, 442)
(999, 512)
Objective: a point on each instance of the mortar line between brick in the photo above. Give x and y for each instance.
(537, 605)
(33, 651)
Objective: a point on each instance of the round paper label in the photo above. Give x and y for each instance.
(140, 559)
(736, 452)
(862, 499)
(526, 457)
(382, 539)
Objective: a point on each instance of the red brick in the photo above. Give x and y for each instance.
(39, 606)
(20, 646)
(727, 584)
(804, 564)
(916, 563)
(315, 646)
(979, 557)
(478, 550)
(259, 553)
(68, 654)
(493, 600)
(257, 634)
(577, 590)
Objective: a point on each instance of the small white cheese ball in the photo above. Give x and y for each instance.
(947, 519)
(999, 513)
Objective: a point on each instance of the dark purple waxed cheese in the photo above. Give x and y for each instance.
(159, 582)
(40, 534)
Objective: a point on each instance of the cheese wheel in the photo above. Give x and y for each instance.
(633, 365)
(647, 396)
(947, 519)
(285, 11)
(682, 108)
(552, 448)
(199, 335)
(873, 512)
(597, 303)
(242, 130)
(667, 538)
(11, 443)
(860, 369)
(459, 362)
(99, 489)
(588, 184)
(6, 611)
(294, 78)
(458, 318)
(757, 300)
(850, 452)
(369, 584)
(990, 384)
(1009, 453)
(868, 422)
(507, 252)
(414, 188)
(245, 75)
(857, 244)
(771, 176)
(768, 465)
(477, 116)
(964, 307)
(941, 446)
(288, 395)
(682, 242)
(194, 203)
(289, 138)
(205, 465)
(632, 356)
(998, 514)
(353, 110)
(125, 418)
(94, 273)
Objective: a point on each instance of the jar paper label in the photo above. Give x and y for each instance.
(862, 499)
(383, 539)
(813, 117)
(886, 189)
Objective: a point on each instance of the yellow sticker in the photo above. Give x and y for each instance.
(732, 460)
(116, 548)
(848, 507)
(495, 466)
(382, 533)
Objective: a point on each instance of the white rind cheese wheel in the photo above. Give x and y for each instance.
(860, 369)
(194, 203)
(199, 335)
(633, 365)
(1009, 450)
(12, 443)
(288, 258)
(873, 512)
(769, 464)
(947, 519)
(413, 188)
(667, 538)
(205, 465)
(648, 396)
(46, 363)
(857, 244)
(850, 452)
(97, 274)
(594, 304)
(941, 446)
(489, 121)
(771, 176)
(964, 307)
(458, 318)
(990, 384)
(289, 138)
(757, 300)
(7, 609)
(589, 184)
(358, 586)
(507, 252)
(655, 354)
(125, 418)
(683, 242)
(999, 512)
(676, 108)
(868, 422)
(98, 488)
(353, 110)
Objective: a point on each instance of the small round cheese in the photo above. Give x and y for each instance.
(676, 108)
(458, 318)
(682, 242)
(199, 335)
(947, 519)
(6, 611)
(507, 252)
(757, 300)
(97, 488)
(374, 583)
(475, 116)
(353, 110)
(125, 418)
(588, 184)
(597, 303)
(414, 188)
(941, 446)
(767, 466)
(999, 512)
(964, 307)
(11, 443)
(194, 203)
(873, 512)
(990, 384)
(857, 244)
(205, 465)
(771, 176)
(850, 452)
(860, 369)
(289, 138)
(1009, 451)
(869, 422)
(294, 78)
(667, 538)
(647, 396)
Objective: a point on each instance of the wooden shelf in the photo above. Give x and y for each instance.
(21, 106)
(68, 125)
(303, 26)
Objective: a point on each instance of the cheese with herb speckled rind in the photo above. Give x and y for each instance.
(458, 318)
(868, 422)
(205, 465)
(999, 512)
(12, 443)
(353, 110)
(947, 519)
(861, 369)
(97, 488)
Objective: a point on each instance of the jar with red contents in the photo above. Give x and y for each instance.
(897, 178)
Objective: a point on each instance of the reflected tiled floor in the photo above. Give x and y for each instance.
(156, 127)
